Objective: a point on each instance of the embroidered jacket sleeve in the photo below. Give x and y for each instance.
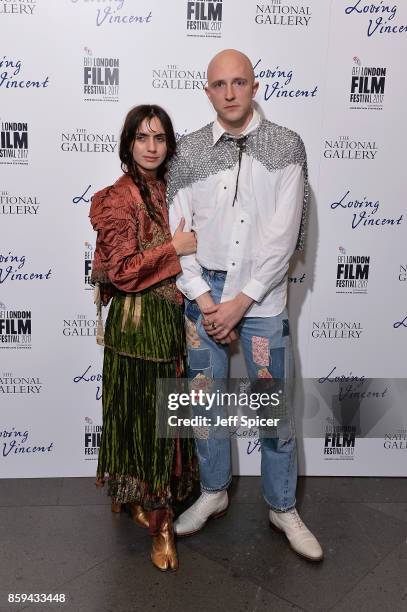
(190, 280)
(115, 215)
(277, 243)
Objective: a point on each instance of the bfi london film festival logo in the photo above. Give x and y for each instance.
(14, 143)
(20, 205)
(10, 384)
(367, 86)
(282, 13)
(82, 141)
(281, 82)
(339, 441)
(11, 76)
(204, 18)
(80, 326)
(115, 12)
(176, 77)
(333, 329)
(352, 272)
(378, 16)
(396, 440)
(100, 78)
(89, 253)
(15, 328)
(18, 7)
(92, 438)
(364, 213)
(347, 147)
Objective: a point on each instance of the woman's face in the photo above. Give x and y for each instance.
(150, 146)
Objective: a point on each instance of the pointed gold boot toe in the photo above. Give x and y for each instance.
(139, 515)
(164, 553)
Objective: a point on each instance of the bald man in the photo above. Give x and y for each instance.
(241, 184)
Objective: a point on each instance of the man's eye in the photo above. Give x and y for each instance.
(240, 82)
(218, 84)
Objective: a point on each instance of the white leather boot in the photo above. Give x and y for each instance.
(208, 505)
(299, 536)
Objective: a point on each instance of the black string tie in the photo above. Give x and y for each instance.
(241, 145)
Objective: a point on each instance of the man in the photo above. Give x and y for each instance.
(241, 185)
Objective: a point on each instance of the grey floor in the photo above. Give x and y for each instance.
(59, 536)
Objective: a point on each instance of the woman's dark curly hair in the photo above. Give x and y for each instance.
(131, 125)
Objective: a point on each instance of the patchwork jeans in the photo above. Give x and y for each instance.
(266, 345)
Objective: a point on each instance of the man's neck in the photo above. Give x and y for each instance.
(236, 129)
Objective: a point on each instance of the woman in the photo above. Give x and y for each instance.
(135, 263)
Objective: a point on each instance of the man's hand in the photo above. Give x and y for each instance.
(221, 319)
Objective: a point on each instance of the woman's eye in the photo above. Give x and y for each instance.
(140, 137)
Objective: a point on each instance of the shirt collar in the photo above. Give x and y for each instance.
(218, 130)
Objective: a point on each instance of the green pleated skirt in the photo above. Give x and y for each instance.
(144, 341)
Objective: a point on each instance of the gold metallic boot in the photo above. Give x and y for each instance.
(163, 553)
(139, 515)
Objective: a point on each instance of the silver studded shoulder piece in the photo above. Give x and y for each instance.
(272, 145)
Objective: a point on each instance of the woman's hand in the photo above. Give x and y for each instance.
(184, 242)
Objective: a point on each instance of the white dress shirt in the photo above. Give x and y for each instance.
(254, 239)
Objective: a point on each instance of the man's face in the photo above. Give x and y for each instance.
(231, 89)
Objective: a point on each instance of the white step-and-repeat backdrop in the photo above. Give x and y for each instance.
(334, 71)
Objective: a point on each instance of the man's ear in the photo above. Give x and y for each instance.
(255, 88)
(206, 88)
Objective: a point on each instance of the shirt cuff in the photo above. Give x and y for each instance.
(255, 290)
(193, 288)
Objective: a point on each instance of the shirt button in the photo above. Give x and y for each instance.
(225, 187)
(233, 263)
(237, 242)
(241, 220)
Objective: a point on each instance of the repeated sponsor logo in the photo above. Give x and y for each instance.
(334, 329)
(21, 205)
(364, 213)
(339, 442)
(100, 78)
(297, 280)
(88, 259)
(17, 7)
(283, 13)
(378, 17)
(13, 268)
(12, 76)
(91, 441)
(352, 386)
(115, 12)
(83, 198)
(82, 141)
(15, 328)
(400, 323)
(14, 143)
(80, 326)
(173, 76)
(348, 147)
(396, 440)
(204, 18)
(10, 384)
(89, 376)
(18, 441)
(281, 82)
(403, 273)
(367, 86)
(352, 272)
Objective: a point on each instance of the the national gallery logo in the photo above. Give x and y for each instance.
(351, 148)
(82, 141)
(116, 12)
(204, 18)
(367, 86)
(79, 326)
(17, 7)
(15, 328)
(173, 76)
(88, 255)
(283, 13)
(396, 440)
(334, 329)
(92, 437)
(403, 273)
(352, 272)
(13, 143)
(20, 205)
(100, 78)
(12, 384)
